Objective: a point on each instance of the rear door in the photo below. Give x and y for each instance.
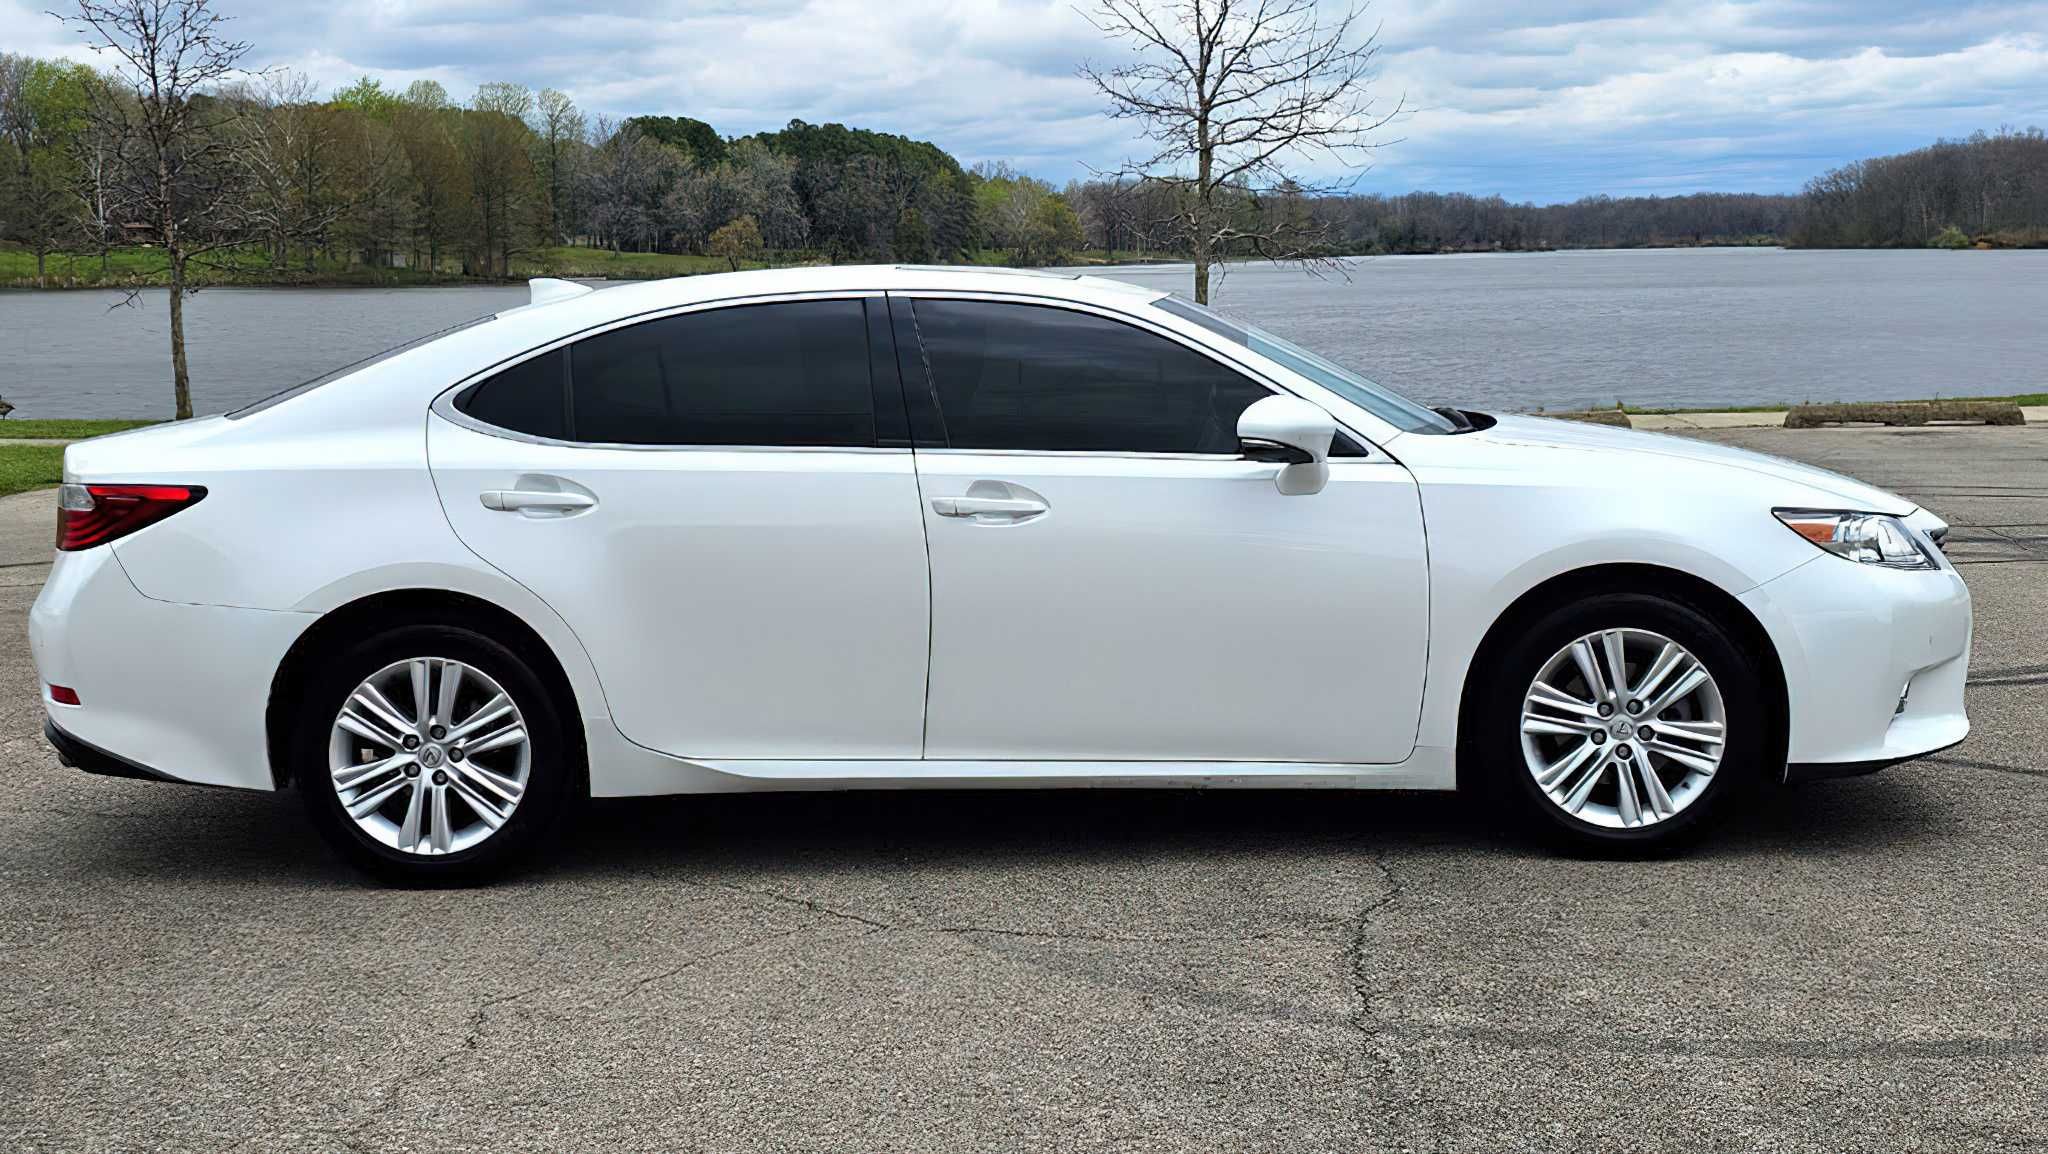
(1113, 581)
(722, 504)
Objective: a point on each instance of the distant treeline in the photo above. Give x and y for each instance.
(1990, 189)
(375, 178)
(1117, 216)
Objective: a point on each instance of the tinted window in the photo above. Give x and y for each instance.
(775, 374)
(1385, 404)
(526, 398)
(1011, 376)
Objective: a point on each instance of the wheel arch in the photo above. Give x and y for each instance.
(382, 610)
(1575, 584)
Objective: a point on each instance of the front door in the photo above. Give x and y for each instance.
(1111, 580)
(706, 499)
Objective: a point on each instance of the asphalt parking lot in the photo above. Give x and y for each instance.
(1858, 965)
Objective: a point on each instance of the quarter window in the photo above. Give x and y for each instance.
(1016, 376)
(526, 398)
(788, 373)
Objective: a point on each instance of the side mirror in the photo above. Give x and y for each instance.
(1293, 433)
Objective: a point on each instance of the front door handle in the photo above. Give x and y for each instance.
(518, 500)
(989, 508)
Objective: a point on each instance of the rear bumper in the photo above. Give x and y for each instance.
(92, 759)
(170, 691)
(1854, 640)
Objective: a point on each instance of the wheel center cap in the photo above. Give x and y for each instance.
(1622, 728)
(430, 756)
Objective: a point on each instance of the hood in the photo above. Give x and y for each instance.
(1549, 432)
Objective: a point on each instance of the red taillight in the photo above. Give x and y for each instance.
(63, 695)
(89, 515)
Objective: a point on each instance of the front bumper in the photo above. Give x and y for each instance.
(1875, 662)
(179, 689)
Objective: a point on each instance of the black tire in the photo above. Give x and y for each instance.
(554, 781)
(1494, 733)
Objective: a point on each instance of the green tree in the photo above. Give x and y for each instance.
(368, 97)
(737, 240)
(1025, 216)
(1950, 237)
(913, 236)
(42, 112)
(496, 149)
(693, 138)
(429, 131)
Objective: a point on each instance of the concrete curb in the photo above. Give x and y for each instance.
(2035, 415)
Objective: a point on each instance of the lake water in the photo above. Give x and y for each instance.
(1554, 330)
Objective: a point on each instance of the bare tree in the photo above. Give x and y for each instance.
(559, 128)
(95, 161)
(622, 185)
(1233, 95)
(178, 145)
(291, 165)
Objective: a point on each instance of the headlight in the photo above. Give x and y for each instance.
(1871, 538)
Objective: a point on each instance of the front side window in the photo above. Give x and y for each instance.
(1388, 406)
(1019, 376)
(792, 373)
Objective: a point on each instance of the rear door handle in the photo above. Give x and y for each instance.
(516, 500)
(989, 508)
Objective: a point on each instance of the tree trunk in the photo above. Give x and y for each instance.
(1205, 166)
(181, 378)
(39, 268)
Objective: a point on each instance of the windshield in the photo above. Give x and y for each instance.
(1388, 406)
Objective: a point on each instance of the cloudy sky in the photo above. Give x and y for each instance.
(1533, 100)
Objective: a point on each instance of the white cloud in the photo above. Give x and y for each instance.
(1530, 100)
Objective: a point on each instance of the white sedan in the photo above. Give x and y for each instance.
(847, 528)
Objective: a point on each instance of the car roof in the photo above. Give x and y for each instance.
(389, 387)
(632, 299)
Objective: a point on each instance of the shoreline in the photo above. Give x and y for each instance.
(64, 430)
(662, 266)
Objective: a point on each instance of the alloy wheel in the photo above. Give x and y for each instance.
(429, 756)
(1623, 728)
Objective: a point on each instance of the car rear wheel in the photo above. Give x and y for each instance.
(1623, 721)
(431, 752)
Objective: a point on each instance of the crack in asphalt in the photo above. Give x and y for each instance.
(877, 926)
(700, 959)
(1993, 766)
(1365, 1020)
(479, 1018)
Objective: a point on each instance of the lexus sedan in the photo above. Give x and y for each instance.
(851, 528)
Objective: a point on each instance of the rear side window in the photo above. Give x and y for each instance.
(1017, 376)
(776, 374)
(526, 398)
(793, 373)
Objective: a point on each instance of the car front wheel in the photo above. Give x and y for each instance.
(1624, 721)
(431, 752)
